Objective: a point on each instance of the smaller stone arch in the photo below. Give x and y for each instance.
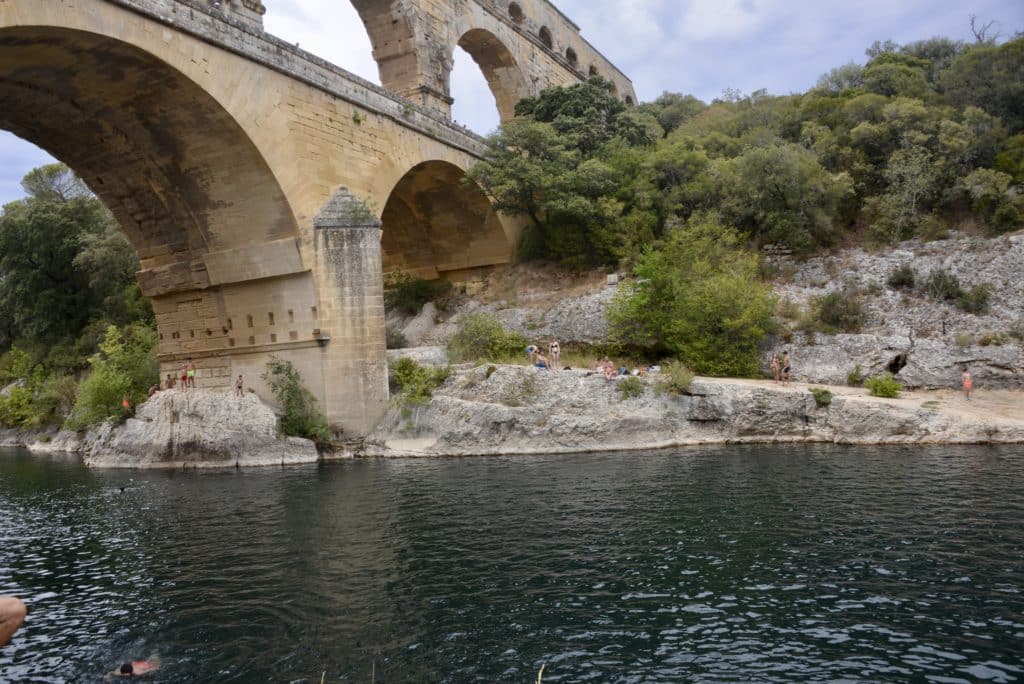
(572, 58)
(592, 71)
(629, 100)
(545, 37)
(437, 225)
(515, 12)
(499, 67)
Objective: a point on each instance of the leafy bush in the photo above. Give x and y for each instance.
(675, 378)
(822, 397)
(839, 311)
(697, 298)
(482, 336)
(630, 388)
(884, 386)
(416, 383)
(407, 294)
(942, 285)
(1017, 330)
(124, 367)
(963, 339)
(301, 417)
(855, 378)
(975, 300)
(903, 278)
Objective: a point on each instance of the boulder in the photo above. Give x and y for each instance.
(196, 428)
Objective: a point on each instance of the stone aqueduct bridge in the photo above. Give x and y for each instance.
(264, 190)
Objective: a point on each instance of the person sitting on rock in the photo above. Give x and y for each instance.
(542, 361)
(609, 368)
(12, 614)
(532, 351)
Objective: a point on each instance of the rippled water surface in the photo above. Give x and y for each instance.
(786, 563)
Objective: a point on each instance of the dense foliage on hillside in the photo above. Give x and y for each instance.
(923, 136)
(68, 303)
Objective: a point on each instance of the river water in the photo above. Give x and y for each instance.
(743, 564)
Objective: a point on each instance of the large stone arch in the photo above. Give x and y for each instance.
(179, 174)
(435, 224)
(504, 76)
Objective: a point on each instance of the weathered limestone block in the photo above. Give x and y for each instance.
(196, 429)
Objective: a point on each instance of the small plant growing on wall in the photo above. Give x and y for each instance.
(358, 118)
(301, 416)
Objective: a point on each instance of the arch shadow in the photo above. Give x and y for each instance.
(435, 225)
(173, 166)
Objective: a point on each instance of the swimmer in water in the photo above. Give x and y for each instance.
(136, 668)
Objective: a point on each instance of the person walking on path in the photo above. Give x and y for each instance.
(785, 366)
(968, 383)
(775, 366)
(556, 352)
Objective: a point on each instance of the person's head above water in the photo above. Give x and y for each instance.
(127, 669)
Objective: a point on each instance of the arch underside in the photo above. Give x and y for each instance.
(435, 225)
(175, 169)
(411, 68)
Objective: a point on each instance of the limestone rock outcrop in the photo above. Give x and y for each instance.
(196, 428)
(519, 410)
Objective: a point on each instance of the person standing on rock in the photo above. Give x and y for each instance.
(785, 366)
(968, 383)
(184, 376)
(775, 366)
(190, 372)
(238, 386)
(556, 352)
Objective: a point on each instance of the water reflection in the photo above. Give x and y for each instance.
(740, 563)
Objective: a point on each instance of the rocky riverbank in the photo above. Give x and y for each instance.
(520, 410)
(181, 429)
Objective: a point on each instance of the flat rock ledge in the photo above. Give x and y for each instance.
(196, 429)
(518, 410)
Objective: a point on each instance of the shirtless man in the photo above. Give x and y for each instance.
(12, 614)
(136, 668)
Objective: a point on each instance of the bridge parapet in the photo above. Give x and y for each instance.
(246, 38)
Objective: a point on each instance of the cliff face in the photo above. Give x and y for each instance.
(522, 410)
(196, 429)
(934, 339)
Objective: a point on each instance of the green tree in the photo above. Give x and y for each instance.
(698, 297)
(300, 415)
(124, 367)
(992, 78)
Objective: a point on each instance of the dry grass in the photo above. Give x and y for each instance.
(529, 284)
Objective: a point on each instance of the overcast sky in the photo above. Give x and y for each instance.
(699, 47)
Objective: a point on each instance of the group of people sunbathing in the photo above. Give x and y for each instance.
(604, 365)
